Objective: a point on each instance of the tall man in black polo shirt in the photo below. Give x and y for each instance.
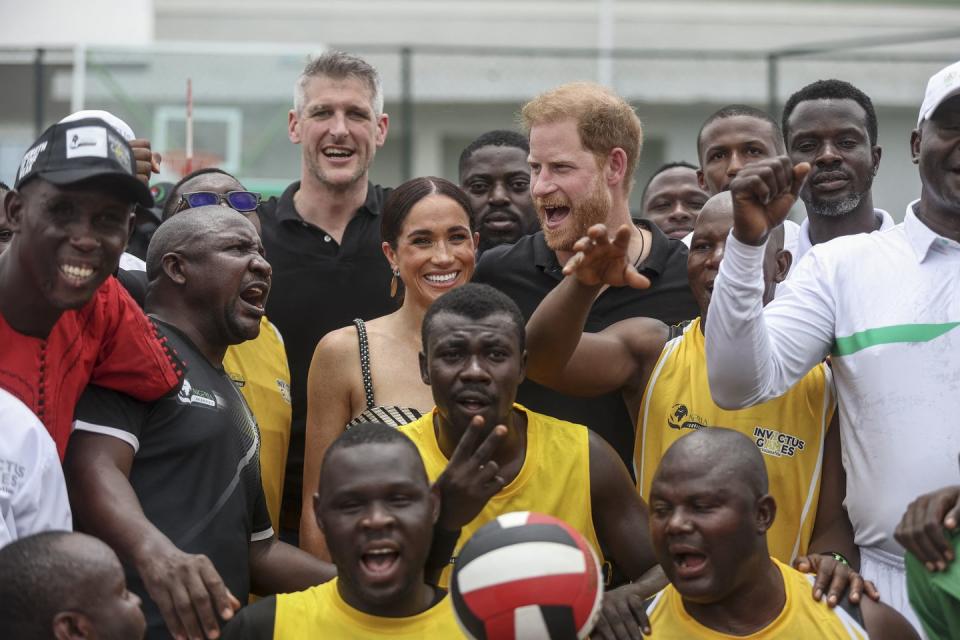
(174, 486)
(584, 147)
(323, 234)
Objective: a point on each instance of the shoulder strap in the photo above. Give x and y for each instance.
(365, 361)
(676, 330)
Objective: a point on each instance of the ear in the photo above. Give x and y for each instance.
(476, 239)
(293, 126)
(435, 502)
(424, 370)
(173, 267)
(383, 123)
(784, 260)
(390, 254)
(616, 167)
(766, 513)
(701, 181)
(71, 625)
(523, 366)
(915, 136)
(316, 511)
(131, 224)
(876, 151)
(13, 204)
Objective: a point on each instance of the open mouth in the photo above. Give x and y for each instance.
(473, 403)
(555, 215)
(442, 280)
(77, 274)
(255, 296)
(379, 562)
(689, 564)
(338, 153)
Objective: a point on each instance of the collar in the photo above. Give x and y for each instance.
(287, 211)
(920, 236)
(654, 265)
(803, 240)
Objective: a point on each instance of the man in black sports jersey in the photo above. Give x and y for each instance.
(174, 486)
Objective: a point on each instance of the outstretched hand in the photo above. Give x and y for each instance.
(471, 477)
(922, 531)
(598, 260)
(763, 193)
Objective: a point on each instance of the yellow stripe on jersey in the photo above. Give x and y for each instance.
(789, 431)
(259, 369)
(802, 617)
(320, 612)
(554, 478)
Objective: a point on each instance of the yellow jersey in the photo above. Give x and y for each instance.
(789, 431)
(321, 612)
(554, 478)
(802, 618)
(259, 369)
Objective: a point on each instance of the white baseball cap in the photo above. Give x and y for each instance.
(122, 127)
(942, 85)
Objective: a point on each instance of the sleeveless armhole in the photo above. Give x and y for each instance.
(676, 330)
(365, 361)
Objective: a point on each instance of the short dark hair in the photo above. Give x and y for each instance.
(4, 186)
(173, 197)
(402, 199)
(475, 301)
(495, 138)
(40, 579)
(661, 169)
(831, 90)
(733, 110)
(371, 433)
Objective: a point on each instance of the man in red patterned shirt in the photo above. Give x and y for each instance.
(64, 320)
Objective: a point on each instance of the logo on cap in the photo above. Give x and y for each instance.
(30, 157)
(86, 142)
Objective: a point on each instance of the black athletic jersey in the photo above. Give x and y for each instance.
(196, 468)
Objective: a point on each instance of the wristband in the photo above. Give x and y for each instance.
(839, 557)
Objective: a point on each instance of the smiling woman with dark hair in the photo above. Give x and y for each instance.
(368, 372)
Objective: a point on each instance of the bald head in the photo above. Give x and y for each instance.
(725, 455)
(189, 234)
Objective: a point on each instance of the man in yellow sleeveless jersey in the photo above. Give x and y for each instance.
(710, 510)
(662, 374)
(377, 511)
(473, 359)
(258, 367)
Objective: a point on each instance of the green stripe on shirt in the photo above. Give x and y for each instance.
(888, 335)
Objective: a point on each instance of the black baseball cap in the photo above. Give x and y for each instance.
(71, 152)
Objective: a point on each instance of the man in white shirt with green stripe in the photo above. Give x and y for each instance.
(885, 306)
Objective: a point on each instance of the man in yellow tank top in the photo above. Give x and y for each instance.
(377, 511)
(663, 379)
(473, 358)
(710, 511)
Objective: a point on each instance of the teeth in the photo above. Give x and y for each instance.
(443, 278)
(76, 272)
(337, 153)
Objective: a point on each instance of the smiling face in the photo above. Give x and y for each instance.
(936, 149)
(729, 144)
(496, 179)
(227, 276)
(435, 250)
(339, 130)
(70, 238)
(673, 200)
(832, 136)
(568, 186)
(473, 368)
(377, 513)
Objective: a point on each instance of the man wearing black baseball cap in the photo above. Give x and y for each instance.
(64, 320)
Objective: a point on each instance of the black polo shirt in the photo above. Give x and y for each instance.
(528, 270)
(318, 286)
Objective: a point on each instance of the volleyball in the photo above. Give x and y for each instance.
(526, 576)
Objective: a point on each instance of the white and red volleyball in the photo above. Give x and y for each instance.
(526, 576)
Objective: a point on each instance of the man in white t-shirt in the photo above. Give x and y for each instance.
(832, 125)
(884, 306)
(33, 496)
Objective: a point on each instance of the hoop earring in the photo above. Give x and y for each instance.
(393, 282)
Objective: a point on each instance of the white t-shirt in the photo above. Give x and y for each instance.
(33, 495)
